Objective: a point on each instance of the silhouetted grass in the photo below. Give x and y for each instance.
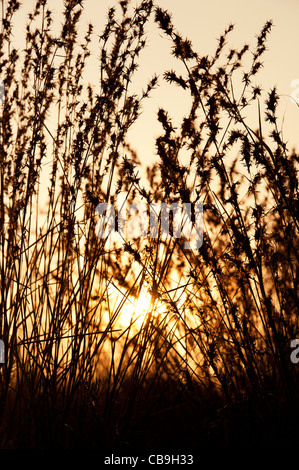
(210, 361)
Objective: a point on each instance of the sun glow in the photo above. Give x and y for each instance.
(137, 310)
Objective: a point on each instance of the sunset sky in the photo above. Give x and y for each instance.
(203, 22)
(180, 330)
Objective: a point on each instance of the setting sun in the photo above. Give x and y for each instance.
(136, 310)
(149, 227)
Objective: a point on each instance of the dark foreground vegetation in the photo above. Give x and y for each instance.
(210, 361)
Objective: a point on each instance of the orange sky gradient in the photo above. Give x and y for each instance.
(202, 22)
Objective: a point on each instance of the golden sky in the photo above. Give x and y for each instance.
(203, 22)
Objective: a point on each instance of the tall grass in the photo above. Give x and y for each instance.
(81, 370)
